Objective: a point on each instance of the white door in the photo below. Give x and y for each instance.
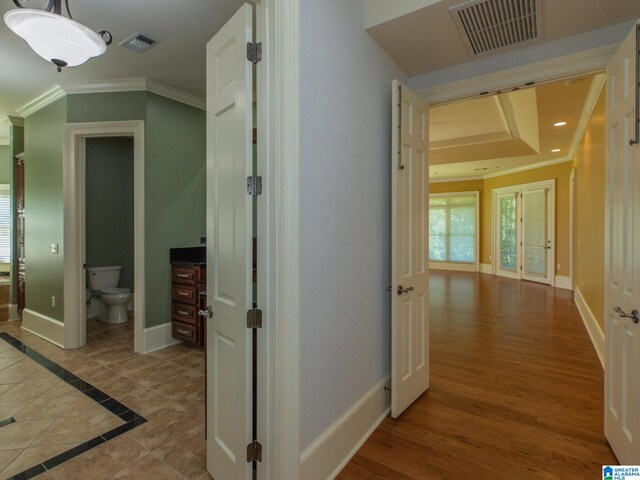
(622, 258)
(409, 249)
(536, 240)
(507, 234)
(229, 250)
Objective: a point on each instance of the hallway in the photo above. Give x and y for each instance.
(516, 390)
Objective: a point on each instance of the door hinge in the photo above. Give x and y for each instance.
(254, 318)
(254, 52)
(254, 452)
(254, 186)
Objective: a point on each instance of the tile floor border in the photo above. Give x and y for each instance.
(131, 418)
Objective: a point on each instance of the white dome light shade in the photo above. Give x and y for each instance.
(55, 37)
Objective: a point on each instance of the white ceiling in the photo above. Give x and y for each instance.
(183, 26)
(427, 40)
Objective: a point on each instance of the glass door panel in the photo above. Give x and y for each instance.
(508, 232)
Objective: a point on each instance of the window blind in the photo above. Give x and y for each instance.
(5, 224)
(452, 228)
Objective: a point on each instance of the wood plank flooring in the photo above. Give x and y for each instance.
(516, 391)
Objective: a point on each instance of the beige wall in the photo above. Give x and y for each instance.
(561, 172)
(589, 162)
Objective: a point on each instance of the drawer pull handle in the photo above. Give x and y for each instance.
(184, 294)
(183, 332)
(183, 275)
(183, 313)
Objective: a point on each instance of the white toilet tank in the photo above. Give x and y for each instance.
(104, 277)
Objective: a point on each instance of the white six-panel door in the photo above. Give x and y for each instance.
(622, 258)
(409, 257)
(229, 251)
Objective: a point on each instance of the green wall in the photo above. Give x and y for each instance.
(5, 164)
(175, 189)
(109, 207)
(44, 209)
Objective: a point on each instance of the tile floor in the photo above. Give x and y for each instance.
(165, 387)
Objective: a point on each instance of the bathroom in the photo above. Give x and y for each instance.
(109, 197)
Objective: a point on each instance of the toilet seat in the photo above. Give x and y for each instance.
(115, 291)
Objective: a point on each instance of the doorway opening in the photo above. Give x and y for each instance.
(109, 240)
(80, 140)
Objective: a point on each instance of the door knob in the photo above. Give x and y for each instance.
(634, 315)
(207, 313)
(402, 290)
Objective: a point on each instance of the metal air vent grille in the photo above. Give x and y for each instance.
(140, 42)
(490, 25)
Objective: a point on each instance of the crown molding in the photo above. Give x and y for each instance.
(138, 85)
(597, 84)
(111, 86)
(502, 173)
(524, 168)
(567, 66)
(174, 94)
(42, 101)
(455, 179)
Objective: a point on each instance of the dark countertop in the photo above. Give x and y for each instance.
(190, 255)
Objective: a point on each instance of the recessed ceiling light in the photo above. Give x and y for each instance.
(559, 124)
(555, 150)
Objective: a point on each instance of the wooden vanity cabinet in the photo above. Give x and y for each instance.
(188, 296)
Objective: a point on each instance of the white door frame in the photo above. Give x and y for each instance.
(278, 114)
(551, 222)
(74, 166)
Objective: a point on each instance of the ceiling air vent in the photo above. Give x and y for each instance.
(490, 25)
(140, 42)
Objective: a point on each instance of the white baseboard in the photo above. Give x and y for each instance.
(564, 282)
(45, 327)
(486, 268)
(332, 450)
(13, 312)
(156, 338)
(454, 267)
(591, 323)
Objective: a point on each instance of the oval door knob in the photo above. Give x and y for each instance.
(207, 313)
(634, 315)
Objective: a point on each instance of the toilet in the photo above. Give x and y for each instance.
(105, 280)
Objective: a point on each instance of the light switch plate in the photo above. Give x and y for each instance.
(55, 248)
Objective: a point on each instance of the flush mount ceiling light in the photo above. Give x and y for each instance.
(559, 124)
(556, 150)
(56, 38)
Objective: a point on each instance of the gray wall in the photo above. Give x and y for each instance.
(345, 211)
(109, 205)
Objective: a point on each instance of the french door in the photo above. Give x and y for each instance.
(622, 256)
(524, 232)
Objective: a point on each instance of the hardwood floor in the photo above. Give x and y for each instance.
(516, 391)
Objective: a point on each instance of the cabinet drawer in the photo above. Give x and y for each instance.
(185, 313)
(185, 275)
(185, 332)
(184, 294)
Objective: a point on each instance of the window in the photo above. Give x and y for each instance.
(453, 225)
(5, 224)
